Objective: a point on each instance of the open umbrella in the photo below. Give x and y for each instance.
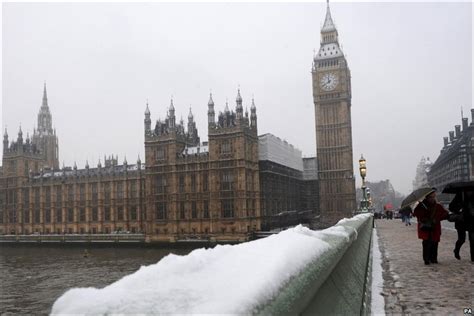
(417, 195)
(462, 186)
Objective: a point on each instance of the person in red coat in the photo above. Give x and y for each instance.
(430, 214)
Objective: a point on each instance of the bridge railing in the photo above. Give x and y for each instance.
(336, 283)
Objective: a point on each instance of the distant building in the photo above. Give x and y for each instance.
(382, 193)
(286, 186)
(221, 190)
(332, 101)
(456, 159)
(185, 190)
(421, 177)
(37, 197)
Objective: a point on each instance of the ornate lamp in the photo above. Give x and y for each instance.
(363, 173)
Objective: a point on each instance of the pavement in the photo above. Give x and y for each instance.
(413, 288)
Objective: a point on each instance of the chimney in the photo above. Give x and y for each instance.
(472, 116)
(445, 140)
(458, 131)
(451, 136)
(464, 124)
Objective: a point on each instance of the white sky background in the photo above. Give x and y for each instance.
(411, 68)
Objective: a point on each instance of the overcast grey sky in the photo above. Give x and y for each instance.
(411, 68)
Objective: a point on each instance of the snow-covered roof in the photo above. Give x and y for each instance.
(330, 50)
(272, 148)
(82, 172)
(195, 150)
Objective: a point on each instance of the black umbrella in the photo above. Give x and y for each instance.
(417, 195)
(462, 186)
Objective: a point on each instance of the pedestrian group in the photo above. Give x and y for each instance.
(430, 213)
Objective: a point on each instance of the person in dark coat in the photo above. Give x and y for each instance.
(406, 213)
(430, 214)
(462, 207)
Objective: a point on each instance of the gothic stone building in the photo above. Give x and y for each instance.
(209, 190)
(332, 101)
(456, 159)
(185, 189)
(38, 197)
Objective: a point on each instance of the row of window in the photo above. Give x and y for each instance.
(71, 230)
(227, 210)
(227, 182)
(11, 196)
(326, 96)
(71, 215)
(329, 63)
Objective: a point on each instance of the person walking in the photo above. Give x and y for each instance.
(406, 214)
(463, 208)
(430, 214)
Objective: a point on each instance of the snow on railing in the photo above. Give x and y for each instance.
(260, 276)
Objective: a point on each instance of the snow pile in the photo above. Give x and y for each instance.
(378, 302)
(226, 279)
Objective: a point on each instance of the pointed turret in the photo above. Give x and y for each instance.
(328, 25)
(139, 163)
(211, 119)
(44, 116)
(226, 110)
(45, 96)
(5, 141)
(329, 40)
(190, 122)
(190, 115)
(147, 120)
(172, 117)
(20, 136)
(253, 115)
(239, 109)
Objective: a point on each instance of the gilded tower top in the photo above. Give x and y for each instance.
(328, 23)
(329, 39)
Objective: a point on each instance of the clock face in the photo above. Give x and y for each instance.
(328, 81)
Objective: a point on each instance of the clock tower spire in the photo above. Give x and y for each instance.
(332, 102)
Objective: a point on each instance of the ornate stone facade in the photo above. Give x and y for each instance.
(332, 101)
(186, 190)
(456, 159)
(210, 191)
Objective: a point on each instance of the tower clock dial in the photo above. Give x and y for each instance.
(328, 81)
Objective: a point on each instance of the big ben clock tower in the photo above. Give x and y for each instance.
(332, 103)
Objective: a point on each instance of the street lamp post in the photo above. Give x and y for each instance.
(363, 172)
(369, 200)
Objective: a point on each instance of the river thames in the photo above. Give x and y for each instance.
(33, 277)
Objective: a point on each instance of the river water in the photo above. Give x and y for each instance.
(33, 277)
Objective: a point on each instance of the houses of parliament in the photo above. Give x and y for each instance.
(224, 189)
